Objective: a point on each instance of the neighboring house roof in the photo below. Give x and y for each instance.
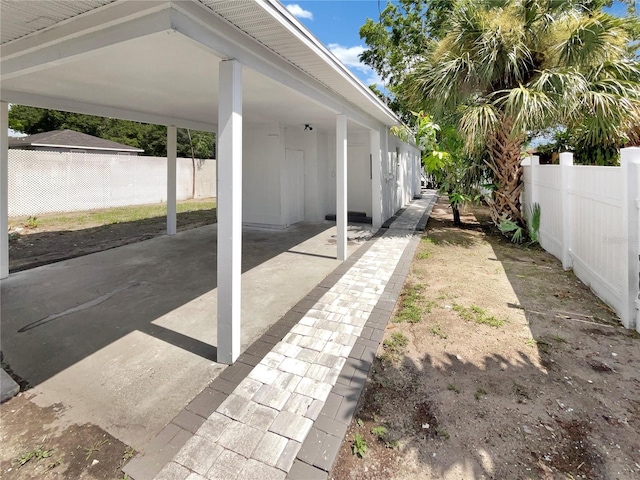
(70, 139)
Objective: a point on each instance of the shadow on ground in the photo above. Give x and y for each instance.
(59, 314)
(552, 393)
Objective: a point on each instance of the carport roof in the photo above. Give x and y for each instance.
(27, 26)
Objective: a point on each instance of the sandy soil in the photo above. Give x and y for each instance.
(512, 369)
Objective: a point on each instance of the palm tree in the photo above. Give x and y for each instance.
(509, 67)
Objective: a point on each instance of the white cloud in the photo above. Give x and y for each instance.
(350, 57)
(299, 12)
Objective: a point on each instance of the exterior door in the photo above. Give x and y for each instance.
(295, 185)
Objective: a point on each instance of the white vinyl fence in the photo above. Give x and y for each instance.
(590, 220)
(47, 182)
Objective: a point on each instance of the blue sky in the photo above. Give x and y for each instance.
(337, 23)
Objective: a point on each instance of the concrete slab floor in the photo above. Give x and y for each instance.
(126, 337)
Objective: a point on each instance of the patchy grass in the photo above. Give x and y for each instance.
(395, 343)
(107, 216)
(413, 305)
(393, 347)
(95, 448)
(437, 331)
(478, 315)
(410, 310)
(36, 454)
(481, 392)
(380, 432)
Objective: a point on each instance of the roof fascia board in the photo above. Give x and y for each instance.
(84, 147)
(214, 33)
(66, 105)
(293, 25)
(84, 44)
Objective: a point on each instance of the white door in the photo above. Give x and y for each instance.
(294, 160)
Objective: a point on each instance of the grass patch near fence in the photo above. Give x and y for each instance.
(107, 216)
(478, 315)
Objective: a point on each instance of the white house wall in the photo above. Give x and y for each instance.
(266, 174)
(398, 171)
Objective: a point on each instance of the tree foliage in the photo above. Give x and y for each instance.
(502, 70)
(398, 40)
(509, 67)
(456, 173)
(151, 138)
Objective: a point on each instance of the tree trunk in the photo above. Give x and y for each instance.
(505, 157)
(456, 216)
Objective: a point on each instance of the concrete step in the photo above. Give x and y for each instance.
(353, 217)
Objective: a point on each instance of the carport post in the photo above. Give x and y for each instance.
(4, 189)
(341, 185)
(172, 148)
(376, 178)
(229, 209)
(386, 196)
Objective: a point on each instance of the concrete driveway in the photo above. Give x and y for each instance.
(125, 338)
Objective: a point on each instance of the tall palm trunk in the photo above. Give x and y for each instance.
(504, 160)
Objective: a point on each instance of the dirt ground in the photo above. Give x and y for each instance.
(498, 365)
(40, 245)
(33, 447)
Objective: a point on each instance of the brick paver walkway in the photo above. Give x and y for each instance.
(287, 411)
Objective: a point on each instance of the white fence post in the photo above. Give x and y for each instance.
(630, 163)
(535, 167)
(566, 170)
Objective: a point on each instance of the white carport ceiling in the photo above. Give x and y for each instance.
(168, 76)
(168, 68)
(22, 17)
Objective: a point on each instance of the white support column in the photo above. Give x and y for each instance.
(229, 210)
(4, 190)
(566, 170)
(630, 164)
(341, 185)
(172, 149)
(376, 179)
(384, 165)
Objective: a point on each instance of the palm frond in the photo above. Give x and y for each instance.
(477, 122)
(530, 109)
(594, 39)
